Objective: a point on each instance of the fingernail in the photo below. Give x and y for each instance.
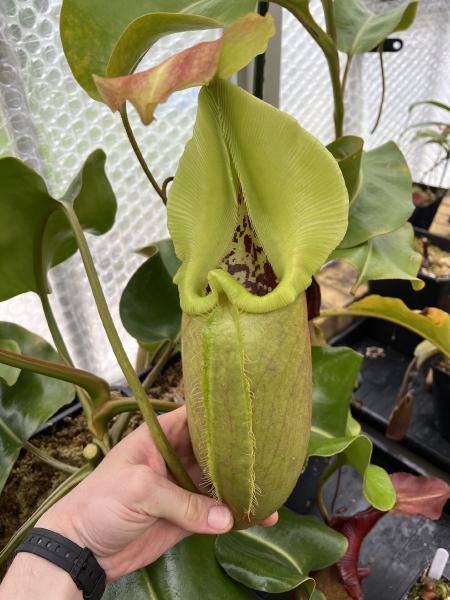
(219, 518)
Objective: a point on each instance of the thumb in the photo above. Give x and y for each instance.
(193, 512)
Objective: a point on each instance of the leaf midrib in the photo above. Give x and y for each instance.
(274, 548)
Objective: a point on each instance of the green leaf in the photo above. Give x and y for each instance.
(247, 155)
(361, 30)
(30, 401)
(434, 103)
(384, 202)
(198, 65)
(189, 570)
(9, 375)
(35, 235)
(348, 151)
(109, 37)
(280, 558)
(333, 430)
(150, 304)
(432, 324)
(388, 256)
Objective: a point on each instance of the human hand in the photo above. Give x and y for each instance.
(129, 511)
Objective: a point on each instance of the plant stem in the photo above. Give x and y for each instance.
(160, 364)
(97, 388)
(167, 452)
(383, 88)
(49, 460)
(348, 64)
(63, 489)
(163, 352)
(165, 185)
(331, 468)
(260, 60)
(139, 155)
(329, 48)
(330, 18)
(61, 347)
(119, 406)
(54, 329)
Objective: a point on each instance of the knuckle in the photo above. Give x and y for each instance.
(140, 479)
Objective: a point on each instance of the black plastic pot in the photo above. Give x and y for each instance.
(423, 216)
(441, 398)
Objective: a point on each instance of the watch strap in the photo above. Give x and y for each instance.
(78, 562)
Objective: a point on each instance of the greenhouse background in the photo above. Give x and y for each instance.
(49, 122)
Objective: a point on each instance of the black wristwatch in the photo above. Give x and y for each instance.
(79, 562)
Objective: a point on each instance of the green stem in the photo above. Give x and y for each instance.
(383, 88)
(96, 387)
(63, 489)
(160, 364)
(331, 468)
(167, 452)
(328, 47)
(330, 18)
(348, 64)
(61, 347)
(49, 460)
(54, 329)
(120, 426)
(119, 406)
(139, 155)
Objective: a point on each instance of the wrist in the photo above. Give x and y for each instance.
(31, 576)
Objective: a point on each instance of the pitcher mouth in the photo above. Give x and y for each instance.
(246, 260)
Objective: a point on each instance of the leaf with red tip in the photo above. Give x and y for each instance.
(418, 495)
(199, 65)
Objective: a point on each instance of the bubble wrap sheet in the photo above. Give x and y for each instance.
(420, 71)
(49, 122)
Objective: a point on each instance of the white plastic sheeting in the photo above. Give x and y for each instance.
(420, 71)
(47, 120)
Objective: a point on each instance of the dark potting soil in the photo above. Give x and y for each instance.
(31, 480)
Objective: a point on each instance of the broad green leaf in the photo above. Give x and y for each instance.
(280, 558)
(198, 65)
(384, 202)
(9, 375)
(348, 151)
(150, 304)
(388, 256)
(333, 430)
(189, 570)
(35, 235)
(432, 324)
(109, 37)
(246, 155)
(361, 30)
(30, 401)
